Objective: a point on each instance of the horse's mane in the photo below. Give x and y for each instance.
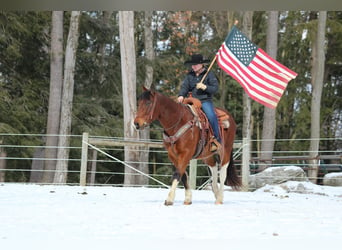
(146, 95)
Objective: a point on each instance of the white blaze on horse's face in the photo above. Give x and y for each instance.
(139, 122)
(142, 118)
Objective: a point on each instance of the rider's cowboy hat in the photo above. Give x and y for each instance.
(196, 59)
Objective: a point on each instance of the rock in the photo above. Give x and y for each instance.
(333, 179)
(276, 175)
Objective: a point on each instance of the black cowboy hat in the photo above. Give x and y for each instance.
(196, 59)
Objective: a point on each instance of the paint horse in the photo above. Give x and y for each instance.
(187, 136)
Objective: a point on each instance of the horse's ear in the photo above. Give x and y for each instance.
(145, 88)
(152, 89)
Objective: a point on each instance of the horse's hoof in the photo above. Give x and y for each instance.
(168, 203)
(187, 202)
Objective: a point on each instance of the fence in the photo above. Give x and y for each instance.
(22, 159)
(93, 142)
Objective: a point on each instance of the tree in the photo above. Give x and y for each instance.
(149, 49)
(247, 24)
(54, 109)
(317, 74)
(149, 53)
(128, 71)
(67, 99)
(269, 120)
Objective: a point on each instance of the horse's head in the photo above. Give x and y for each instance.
(146, 106)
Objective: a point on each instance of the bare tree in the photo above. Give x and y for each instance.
(102, 48)
(56, 82)
(247, 24)
(317, 74)
(102, 78)
(149, 53)
(149, 49)
(67, 99)
(222, 20)
(128, 71)
(269, 121)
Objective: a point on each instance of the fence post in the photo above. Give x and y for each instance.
(84, 159)
(193, 174)
(245, 172)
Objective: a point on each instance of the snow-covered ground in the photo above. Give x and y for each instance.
(297, 215)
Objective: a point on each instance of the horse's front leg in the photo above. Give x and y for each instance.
(172, 193)
(188, 193)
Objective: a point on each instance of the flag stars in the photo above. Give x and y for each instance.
(242, 48)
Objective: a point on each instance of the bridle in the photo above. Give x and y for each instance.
(151, 112)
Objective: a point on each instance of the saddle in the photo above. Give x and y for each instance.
(195, 106)
(207, 134)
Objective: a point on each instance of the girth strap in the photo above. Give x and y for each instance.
(173, 138)
(200, 145)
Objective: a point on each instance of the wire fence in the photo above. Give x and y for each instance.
(22, 159)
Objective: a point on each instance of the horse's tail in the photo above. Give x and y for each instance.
(232, 178)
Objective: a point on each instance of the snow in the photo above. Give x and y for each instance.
(72, 217)
(284, 168)
(334, 175)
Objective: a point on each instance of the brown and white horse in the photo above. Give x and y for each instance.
(186, 139)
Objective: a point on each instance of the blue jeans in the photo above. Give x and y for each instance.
(208, 109)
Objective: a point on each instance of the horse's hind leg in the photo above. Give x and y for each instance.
(214, 176)
(188, 193)
(223, 175)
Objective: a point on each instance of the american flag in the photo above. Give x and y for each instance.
(263, 78)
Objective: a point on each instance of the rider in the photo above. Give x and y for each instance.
(202, 91)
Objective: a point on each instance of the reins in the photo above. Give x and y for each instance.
(151, 112)
(177, 123)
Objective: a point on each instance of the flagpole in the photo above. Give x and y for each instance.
(210, 66)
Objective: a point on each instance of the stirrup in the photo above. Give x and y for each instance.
(215, 145)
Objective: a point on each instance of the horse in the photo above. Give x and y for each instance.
(187, 137)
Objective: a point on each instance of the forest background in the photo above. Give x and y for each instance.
(97, 103)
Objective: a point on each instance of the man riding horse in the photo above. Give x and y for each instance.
(202, 89)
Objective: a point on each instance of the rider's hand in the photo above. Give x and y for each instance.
(180, 99)
(201, 86)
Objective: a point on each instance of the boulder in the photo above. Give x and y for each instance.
(276, 175)
(333, 179)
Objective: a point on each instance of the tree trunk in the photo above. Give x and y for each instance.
(145, 134)
(128, 70)
(149, 49)
(224, 87)
(67, 98)
(102, 47)
(269, 123)
(247, 25)
(37, 166)
(55, 96)
(317, 73)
